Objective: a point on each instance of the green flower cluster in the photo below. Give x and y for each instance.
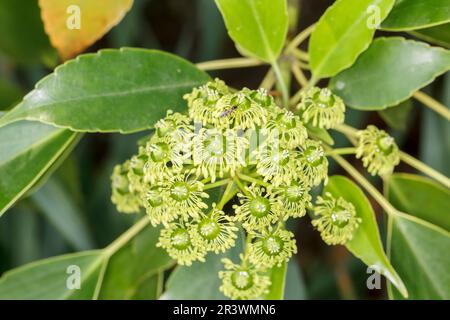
(258, 153)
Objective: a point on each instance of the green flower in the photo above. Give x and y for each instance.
(165, 159)
(216, 152)
(276, 163)
(186, 196)
(244, 109)
(378, 150)
(257, 209)
(335, 219)
(157, 206)
(176, 240)
(285, 127)
(294, 198)
(243, 281)
(202, 101)
(126, 200)
(215, 231)
(272, 248)
(313, 163)
(321, 108)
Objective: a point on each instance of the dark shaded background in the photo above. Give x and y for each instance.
(194, 29)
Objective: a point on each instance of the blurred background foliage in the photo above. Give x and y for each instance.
(71, 211)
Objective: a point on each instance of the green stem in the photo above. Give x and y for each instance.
(299, 75)
(282, 83)
(229, 193)
(229, 64)
(382, 201)
(420, 166)
(125, 237)
(254, 180)
(216, 184)
(433, 104)
(240, 185)
(341, 151)
(296, 98)
(346, 130)
(269, 80)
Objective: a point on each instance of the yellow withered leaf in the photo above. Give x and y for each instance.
(74, 25)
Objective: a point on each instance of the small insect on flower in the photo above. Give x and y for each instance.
(257, 209)
(321, 108)
(202, 101)
(335, 219)
(272, 247)
(227, 112)
(378, 150)
(176, 240)
(123, 197)
(243, 281)
(215, 231)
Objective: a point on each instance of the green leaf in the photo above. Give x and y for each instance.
(278, 279)
(417, 14)
(130, 270)
(295, 288)
(124, 90)
(27, 151)
(343, 32)
(22, 35)
(439, 35)
(258, 27)
(59, 208)
(389, 72)
(366, 243)
(397, 117)
(47, 279)
(418, 243)
(422, 198)
(134, 267)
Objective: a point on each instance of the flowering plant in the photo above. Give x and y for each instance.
(222, 176)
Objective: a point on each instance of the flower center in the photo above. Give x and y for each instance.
(294, 193)
(180, 239)
(209, 229)
(154, 199)
(324, 99)
(215, 145)
(259, 207)
(340, 217)
(160, 152)
(120, 183)
(314, 156)
(386, 144)
(180, 191)
(272, 245)
(242, 279)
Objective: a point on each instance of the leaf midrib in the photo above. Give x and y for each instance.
(344, 37)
